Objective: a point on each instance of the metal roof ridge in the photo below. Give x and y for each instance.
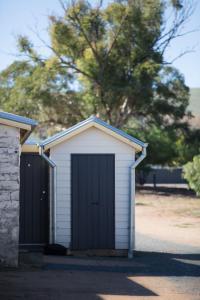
(92, 119)
(17, 118)
(120, 132)
(64, 132)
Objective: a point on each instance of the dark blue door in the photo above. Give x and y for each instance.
(34, 202)
(93, 197)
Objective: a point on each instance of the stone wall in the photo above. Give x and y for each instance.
(9, 194)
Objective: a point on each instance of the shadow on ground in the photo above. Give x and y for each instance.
(61, 285)
(90, 278)
(168, 264)
(143, 263)
(166, 191)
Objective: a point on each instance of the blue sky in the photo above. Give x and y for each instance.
(22, 16)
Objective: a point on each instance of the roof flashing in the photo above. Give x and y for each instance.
(92, 121)
(26, 125)
(17, 118)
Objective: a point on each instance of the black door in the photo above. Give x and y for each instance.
(34, 215)
(93, 192)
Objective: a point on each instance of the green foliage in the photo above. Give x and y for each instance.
(187, 145)
(161, 150)
(109, 61)
(192, 174)
(115, 55)
(168, 145)
(41, 93)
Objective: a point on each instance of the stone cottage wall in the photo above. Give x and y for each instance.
(9, 194)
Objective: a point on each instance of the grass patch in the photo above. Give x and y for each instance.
(141, 204)
(188, 212)
(184, 225)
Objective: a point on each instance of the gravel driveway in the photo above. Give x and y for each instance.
(147, 276)
(167, 220)
(149, 243)
(166, 265)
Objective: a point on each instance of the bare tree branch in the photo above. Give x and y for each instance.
(180, 18)
(183, 53)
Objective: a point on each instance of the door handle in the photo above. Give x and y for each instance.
(43, 194)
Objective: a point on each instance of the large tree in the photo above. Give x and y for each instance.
(115, 55)
(106, 60)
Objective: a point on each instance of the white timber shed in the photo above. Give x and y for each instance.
(93, 186)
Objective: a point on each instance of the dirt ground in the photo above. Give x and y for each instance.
(165, 266)
(167, 220)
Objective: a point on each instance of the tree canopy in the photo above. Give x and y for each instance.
(106, 60)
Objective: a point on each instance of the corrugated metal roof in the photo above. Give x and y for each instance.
(32, 142)
(18, 119)
(92, 119)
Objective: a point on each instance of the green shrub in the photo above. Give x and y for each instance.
(191, 172)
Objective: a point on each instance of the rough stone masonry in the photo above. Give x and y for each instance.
(9, 194)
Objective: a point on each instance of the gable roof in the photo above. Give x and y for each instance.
(93, 121)
(25, 125)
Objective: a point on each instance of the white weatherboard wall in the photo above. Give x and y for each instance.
(92, 140)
